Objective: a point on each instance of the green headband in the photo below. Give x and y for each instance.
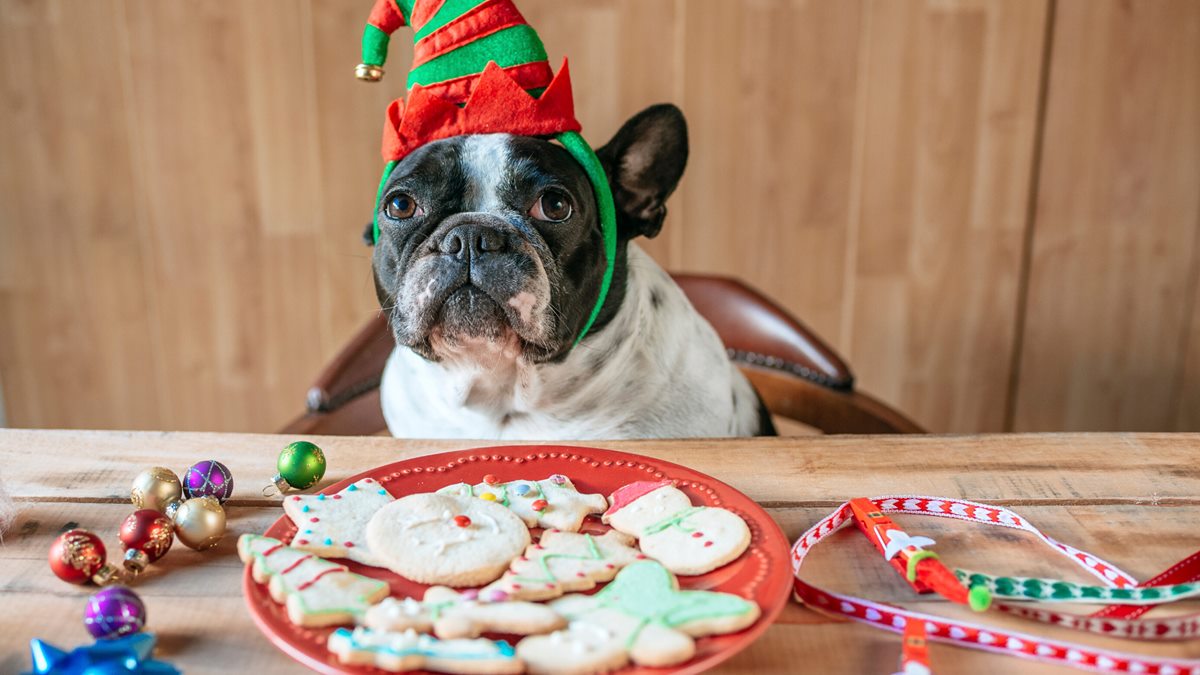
(583, 153)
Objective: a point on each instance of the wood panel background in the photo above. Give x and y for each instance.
(990, 208)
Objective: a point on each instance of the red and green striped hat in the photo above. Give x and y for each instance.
(479, 68)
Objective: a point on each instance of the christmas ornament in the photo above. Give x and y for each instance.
(200, 523)
(301, 465)
(129, 654)
(146, 536)
(114, 612)
(209, 478)
(77, 556)
(155, 488)
(479, 68)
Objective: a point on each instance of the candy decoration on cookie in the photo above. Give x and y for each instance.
(550, 503)
(564, 562)
(398, 652)
(449, 614)
(686, 539)
(641, 616)
(316, 592)
(301, 465)
(335, 526)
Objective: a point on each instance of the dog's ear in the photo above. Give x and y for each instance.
(644, 162)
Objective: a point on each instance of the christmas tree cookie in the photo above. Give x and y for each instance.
(335, 526)
(404, 651)
(553, 503)
(686, 539)
(562, 562)
(315, 591)
(449, 614)
(642, 616)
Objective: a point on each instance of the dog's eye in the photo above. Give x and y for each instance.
(401, 206)
(554, 205)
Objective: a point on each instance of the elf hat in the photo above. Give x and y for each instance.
(479, 68)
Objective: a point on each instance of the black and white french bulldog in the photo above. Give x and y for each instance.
(488, 265)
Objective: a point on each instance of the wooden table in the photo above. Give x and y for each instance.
(1134, 499)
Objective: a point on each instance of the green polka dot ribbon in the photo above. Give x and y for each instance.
(1054, 590)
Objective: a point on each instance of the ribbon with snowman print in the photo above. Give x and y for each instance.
(1115, 620)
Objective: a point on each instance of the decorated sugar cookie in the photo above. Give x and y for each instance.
(642, 616)
(335, 526)
(550, 503)
(449, 614)
(686, 539)
(444, 539)
(407, 650)
(562, 562)
(316, 592)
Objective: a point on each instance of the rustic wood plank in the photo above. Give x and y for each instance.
(1113, 267)
(948, 137)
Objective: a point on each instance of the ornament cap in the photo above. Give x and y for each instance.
(107, 574)
(173, 508)
(136, 561)
(368, 73)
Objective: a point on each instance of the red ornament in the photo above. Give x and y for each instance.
(76, 556)
(462, 521)
(146, 535)
(540, 505)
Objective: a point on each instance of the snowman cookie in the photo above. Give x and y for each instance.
(447, 540)
(562, 562)
(686, 539)
(335, 526)
(449, 614)
(642, 616)
(407, 650)
(315, 591)
(550, 503)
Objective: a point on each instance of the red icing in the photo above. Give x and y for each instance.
(314, 520)
(301, 542)
(627, 494)
(295, 499)
(348, 544)
(462, 521)
(295, 564)
(697, 535)
(274, 548)
(337, 496)
(539, 505)
(707, 544)
(641, 557)
(611, 566)
(516, 587)
(580, 574)
(313, 580)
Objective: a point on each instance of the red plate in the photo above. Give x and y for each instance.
(760, 574)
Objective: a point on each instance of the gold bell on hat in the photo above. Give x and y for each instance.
(368, 73)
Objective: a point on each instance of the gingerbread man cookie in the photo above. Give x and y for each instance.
(642, 616)
(334, 526)
(315, 591)
(550, 503)
(562, 562)
(686, 539)
(445, 539)
(407, 650)
(450, 614)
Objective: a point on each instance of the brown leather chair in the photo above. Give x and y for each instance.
(799, 377)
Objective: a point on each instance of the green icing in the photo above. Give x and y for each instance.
(675, 521)
(547, 577)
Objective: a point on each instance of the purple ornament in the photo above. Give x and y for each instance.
(209, 478)
(114, 612)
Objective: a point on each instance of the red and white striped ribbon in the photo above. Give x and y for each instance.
(969, 634)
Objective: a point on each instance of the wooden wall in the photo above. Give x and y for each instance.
(989, 207)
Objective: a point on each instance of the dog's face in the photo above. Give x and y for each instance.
(490, 246)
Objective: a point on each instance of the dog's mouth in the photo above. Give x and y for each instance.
(471, 323)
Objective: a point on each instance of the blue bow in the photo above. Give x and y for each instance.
(129, 654)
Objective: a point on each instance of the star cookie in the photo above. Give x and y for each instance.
(552, 503)
(334, 526)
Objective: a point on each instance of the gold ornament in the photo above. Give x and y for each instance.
(155, 489)
(200, 522)
(368, 73)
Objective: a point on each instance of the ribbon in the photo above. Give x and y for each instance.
(972, 635)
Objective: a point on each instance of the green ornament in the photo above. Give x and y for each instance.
(301, 465)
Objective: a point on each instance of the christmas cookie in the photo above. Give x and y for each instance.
(686, 539)
(550, 503)
(398, 652)
(445, 539)
(642, 616)
(315, 591)
(562, 562)
(335, 526)
(449, 614)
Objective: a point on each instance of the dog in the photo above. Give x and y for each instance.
(488, 264)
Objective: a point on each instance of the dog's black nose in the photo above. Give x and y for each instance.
(470, 240)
